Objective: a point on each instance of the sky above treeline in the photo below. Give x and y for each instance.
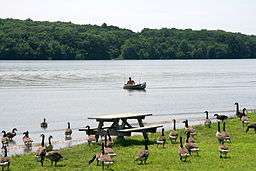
(228, 15)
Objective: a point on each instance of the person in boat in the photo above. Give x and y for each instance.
(130, 81)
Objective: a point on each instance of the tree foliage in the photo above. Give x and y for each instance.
(27, 39)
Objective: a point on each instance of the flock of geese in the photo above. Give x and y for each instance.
(107, 154)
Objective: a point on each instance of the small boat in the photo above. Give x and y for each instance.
(141, 86)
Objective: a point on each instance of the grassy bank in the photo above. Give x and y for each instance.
(241, 157)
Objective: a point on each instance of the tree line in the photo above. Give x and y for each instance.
(41, 40)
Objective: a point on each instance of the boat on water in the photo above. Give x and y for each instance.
(141, 86)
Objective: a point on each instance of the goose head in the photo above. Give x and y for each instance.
(14, 129)
(68, 125)
(181, 145)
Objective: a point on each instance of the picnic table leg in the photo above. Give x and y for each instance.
(145, 135)
(99, 130)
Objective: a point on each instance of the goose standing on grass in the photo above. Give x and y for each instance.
(221, 117)
(225, 133)
(41, 151)
(189, 129)
(91, 138)
(251, 126)
(110, 141)
(245, 118)
(219, 135)
(207, 121)
(143, 154)
(103, 158)
(183, 151)
(68, 132)
(12, 134)
(5, 161)
(44, 124)
(173, 134)
(27, 140)
(54, 156)
(192, 147)
(49, 147)
(238, 113)
(5, 140)
(108, 150)
(161, 140)
(223, 149)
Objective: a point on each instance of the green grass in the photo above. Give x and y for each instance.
(241, 157)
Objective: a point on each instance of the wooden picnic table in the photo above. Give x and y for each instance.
(120, 126)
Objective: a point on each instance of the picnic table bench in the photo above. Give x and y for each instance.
(120, 126)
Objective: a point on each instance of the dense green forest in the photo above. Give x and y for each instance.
(27, 39)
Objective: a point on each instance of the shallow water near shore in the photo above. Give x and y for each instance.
(71, 91)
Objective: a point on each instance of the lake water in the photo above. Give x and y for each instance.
(63, 91)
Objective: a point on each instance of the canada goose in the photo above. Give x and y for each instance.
(108, 150)
(225, 134)
(44, 124)
(102, 157)
(5, 140)
(143, 154)
(192, 147)
(5, 161)
(223, 149)
(221, 117)
(161, 140)
(41, 152)
(54, 156)
(27, 140)
(189, 129)
(49, 147)
(219, 135)
(110, 141)
(173, 134)
(91, 138)
(245, 118)
(68, 131)
(183, 151)
(207, 121)
(238, 113)
(12, 134)
(251, 126)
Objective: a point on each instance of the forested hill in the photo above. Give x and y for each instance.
(61, 40)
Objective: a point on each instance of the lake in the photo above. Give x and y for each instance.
(63, 91)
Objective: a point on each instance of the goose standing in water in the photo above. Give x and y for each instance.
(41, 151)
(238, 113)
(161, 140)
(27, 140)
(91, 138)
(49, 147)
(5, 161)
(245, 118)
(183, 151)
(207, 121)
(68, 132)
(5, 140)
(189, 129)
(225, 134)
(143, 154)
(44, 124)
(12, 134)
(173, 134)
